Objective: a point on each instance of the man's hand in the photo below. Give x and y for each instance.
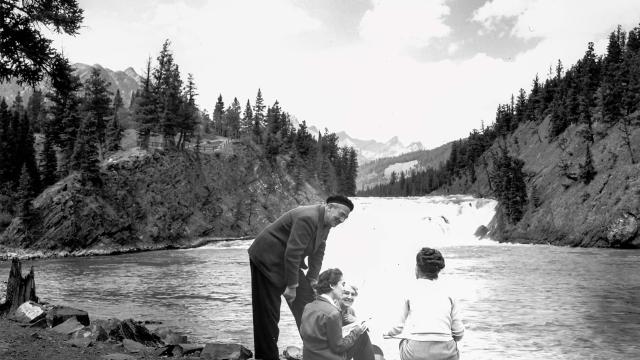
(289, 294)
(313, 283)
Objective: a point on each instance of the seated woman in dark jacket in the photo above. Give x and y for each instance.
(321, 324)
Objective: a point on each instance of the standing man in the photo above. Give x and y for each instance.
(277, 257)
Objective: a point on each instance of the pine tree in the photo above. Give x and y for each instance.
(85, 154)
(65, 111)
(189, 113)
(97, 104)
(145, 113)
(304, 144)
(612, 74)
(521, 107)
(36, 110)
(258, 110)
(167, 87)
(247, 119)
(587, 171)
(26, 53)
(48, 162)
(26, 152)
(25, 194)
(534, 110)
(218, 118)
(5, 143)
(509, 186)
(232, 117)
(633, 40)
(117, 100)
(114, 129)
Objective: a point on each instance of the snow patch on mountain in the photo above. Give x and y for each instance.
(400, 167)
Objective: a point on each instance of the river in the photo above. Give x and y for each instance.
(519, 301)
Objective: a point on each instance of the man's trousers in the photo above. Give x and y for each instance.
(265, 301)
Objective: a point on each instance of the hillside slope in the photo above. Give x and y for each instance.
(379, 170)
(156, 200)
(562, 211)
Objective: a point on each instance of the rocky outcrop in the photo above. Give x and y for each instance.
(158, 200)
(562, 210)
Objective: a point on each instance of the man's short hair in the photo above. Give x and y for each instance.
(340, 199)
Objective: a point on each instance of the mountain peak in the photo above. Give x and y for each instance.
(369, 150)
(393, 141)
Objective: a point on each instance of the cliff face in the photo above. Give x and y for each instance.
(158, 200)
(562, 211)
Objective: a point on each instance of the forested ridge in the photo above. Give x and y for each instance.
(580, 113)
(69, 127)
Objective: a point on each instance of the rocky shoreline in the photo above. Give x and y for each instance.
(45, 331)
(40, 330)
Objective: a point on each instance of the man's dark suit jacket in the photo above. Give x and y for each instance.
(278, 251)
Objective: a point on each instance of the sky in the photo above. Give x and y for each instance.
(422, 70)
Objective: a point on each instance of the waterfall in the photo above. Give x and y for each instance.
(376, 247)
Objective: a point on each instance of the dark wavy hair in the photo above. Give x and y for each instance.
(429, 262)
(328, 278)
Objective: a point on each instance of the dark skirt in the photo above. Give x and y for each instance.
(428, 350)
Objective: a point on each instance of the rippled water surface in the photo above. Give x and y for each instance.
(519, 301)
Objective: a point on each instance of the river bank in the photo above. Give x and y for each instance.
(7, 253)
(22, 343)
(31, 328)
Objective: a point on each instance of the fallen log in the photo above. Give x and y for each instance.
(19, 289)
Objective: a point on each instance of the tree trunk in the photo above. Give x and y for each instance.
(19, 289)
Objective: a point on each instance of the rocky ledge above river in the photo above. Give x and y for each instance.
(156, 201)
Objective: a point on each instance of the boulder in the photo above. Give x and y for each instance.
(292, 353)
(175, 339)
(42, 323)
(134, 346)
(129, 329)
(68, 327)
(110, 326)
(623, 230)
(28, 313)
(59, 314)
(481, 231)
(186, 349)
(80, 342)
(163, 332)
(221, 351)
(94, 332)
(118, 356)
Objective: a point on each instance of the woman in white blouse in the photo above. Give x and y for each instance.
(430, 324)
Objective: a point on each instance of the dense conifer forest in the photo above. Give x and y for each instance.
(77, 124)
(600, 93)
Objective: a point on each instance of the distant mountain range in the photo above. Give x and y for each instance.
(369, 150)
(379, 170)
(377, 160)
(126, 81)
